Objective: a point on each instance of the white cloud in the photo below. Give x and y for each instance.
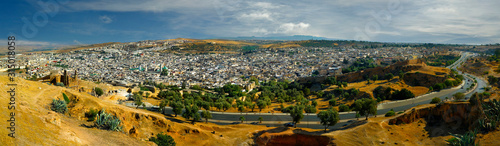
(293, 28)
(257, 16)
(105, 19)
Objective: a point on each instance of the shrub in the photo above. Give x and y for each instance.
(163, 140)
(343, 108)
(59, 84)
(91, 114)
(98, 91)
(59, 106)
(435, 100)
(390, 113)
(108, 122)
(66, 98)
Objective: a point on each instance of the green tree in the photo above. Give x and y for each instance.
(297, 114)
(261, 104)
(357, 106)
(332, 102)
(207, 115)
(459, 96)
(435, 100)
(252, 106)
(176, 107)
(226, 105)
(343, 108)
(375, 77)
(138, 100)
(260, 119)
(98, 91)
(389, 76)
(241, 108)
(162, 105)
(147, 95)
(328, 118)
(314, 103)
(163, 140)
(191, 112)
(242, 119)
(369, 107)
(310, 109)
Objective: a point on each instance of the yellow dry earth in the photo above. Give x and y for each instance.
(36, 124)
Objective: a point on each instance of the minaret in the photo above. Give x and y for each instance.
(76, 75)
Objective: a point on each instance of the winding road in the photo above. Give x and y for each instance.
(311, 120)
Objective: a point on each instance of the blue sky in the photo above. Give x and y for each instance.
(98, 21)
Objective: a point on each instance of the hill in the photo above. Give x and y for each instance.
(36, 124)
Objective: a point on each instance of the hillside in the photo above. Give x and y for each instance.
(36, 124)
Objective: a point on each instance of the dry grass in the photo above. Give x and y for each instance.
(38, 125)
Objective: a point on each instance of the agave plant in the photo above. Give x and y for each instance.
(492, 112)
(467, 139)
(59, 106)
(108, 121)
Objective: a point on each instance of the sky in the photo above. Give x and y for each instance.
(75, 22)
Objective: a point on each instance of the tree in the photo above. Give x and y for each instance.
(98, 91)
(242, 119)
(176, 107)
(402, 94)
(369, 107)
(435, 100)
(297, 114)
(314, 103)
(357, 106)
(332, 102)
(191, 112)
(389, 76)
(328, 118)
(492, 80)
(162, 105)
(375, 78)
(458, 96)
(343, 108)
(261, 104)
(163, 140)
(138, 100)
(310, 109)
(251, 106)
(241, 108)
(260, 119)
(390, 113)
(226, 105)
(147, 95)
(207, 115)
(219, 105)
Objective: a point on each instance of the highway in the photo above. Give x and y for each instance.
(311, 120)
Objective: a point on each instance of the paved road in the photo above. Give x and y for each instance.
(311, 120)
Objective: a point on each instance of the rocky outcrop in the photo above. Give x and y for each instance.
(292, 139)
(455, 115)
(422, 79)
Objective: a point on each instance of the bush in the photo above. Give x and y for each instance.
(435, 100)
(108, 122)
(59, 106)
(467, 139)
(163, 140)
(390, 113)
(91, 114)
(59, 84)
(98, 91)
(343, 108)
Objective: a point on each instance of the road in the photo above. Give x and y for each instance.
(311, 120)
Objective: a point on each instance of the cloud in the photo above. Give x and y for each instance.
(418, 21)
(105, 19)
(293, 28)
(77, 42)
